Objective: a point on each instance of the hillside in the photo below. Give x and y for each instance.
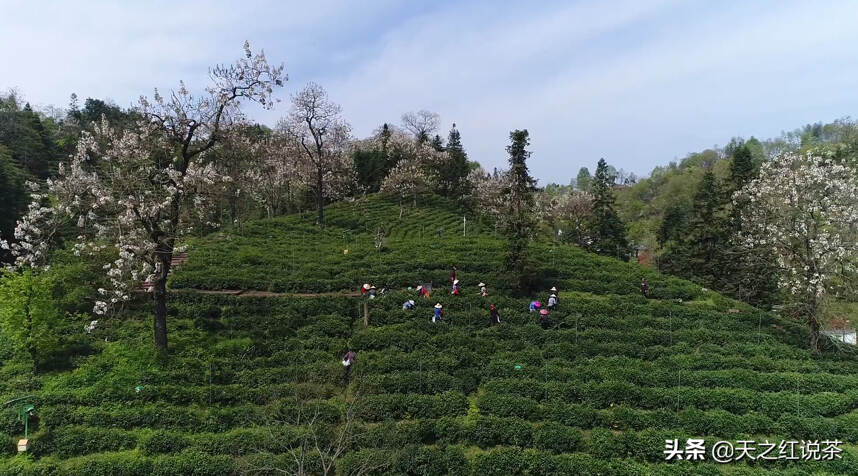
(250, 377)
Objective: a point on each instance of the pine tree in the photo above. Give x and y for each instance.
(454, 172)
(583, 181)
(520, 221)
(749, 276)
(672, 239)
(707, 238)
(606, 228)
(437, 143)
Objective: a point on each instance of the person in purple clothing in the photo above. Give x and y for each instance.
(348, 360)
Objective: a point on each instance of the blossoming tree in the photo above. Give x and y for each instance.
(139, 189)
(318, 130)
(803, 209)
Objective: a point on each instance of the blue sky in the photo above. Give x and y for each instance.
(639, 83)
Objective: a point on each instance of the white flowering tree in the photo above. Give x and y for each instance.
(139, 189)
(416, 171)
(488, 194)
(319, 132)
(571, 212)
(804, 209)
(275, 179)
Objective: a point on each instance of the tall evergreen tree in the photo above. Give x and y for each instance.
(707, 237)
(751, 276)
(672, 239)
(453, 174)
(606, 228)
(437, 143)
(583, 180)
(520, 220)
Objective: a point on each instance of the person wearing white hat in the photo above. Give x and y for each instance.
(436, 317)
(552, 302)
(372, 292)
(409, 305)
(364, 289)
(455, 291)
(483, 290)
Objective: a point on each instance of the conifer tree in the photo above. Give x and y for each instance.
(606, 228)
(707, 237)
(454, 172)
(520, 220)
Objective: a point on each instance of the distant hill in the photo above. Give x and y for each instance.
(251, 380)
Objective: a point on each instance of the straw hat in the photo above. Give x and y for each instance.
(553, 289)
(481, 284)
(455, 281)
(544, 312)
(438, 306)
(366, 286)
(411, 301)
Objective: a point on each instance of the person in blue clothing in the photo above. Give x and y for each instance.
(534, 306)
(436, 317)
(409, 305)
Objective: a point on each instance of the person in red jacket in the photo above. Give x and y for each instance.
(455, 290)
(453, 274)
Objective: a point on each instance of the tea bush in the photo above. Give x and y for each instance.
(251, 378)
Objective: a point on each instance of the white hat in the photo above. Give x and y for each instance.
(553, 289)
(366, 286)
(481, 284)
(455, 281)
(419, 287)
(438, 306)
(411, 301)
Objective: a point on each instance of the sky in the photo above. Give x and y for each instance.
(639, 83)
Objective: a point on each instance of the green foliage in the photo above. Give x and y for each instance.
(520, 221)
(13, 195)
(29, 316)
(453, 173)
(596, 394)
(606, 228)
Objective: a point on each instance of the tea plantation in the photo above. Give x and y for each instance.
(252, 383)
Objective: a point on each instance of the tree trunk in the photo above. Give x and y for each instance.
(320, 195)
(814, 333)
(160, 295)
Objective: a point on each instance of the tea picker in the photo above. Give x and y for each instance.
(409, 305)
(348, 360)
(494, 315)
(552, 302)
(455, 290)
(438, 313)
(543, 319)
(534, 306)
(484, 291)
(644, 288)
